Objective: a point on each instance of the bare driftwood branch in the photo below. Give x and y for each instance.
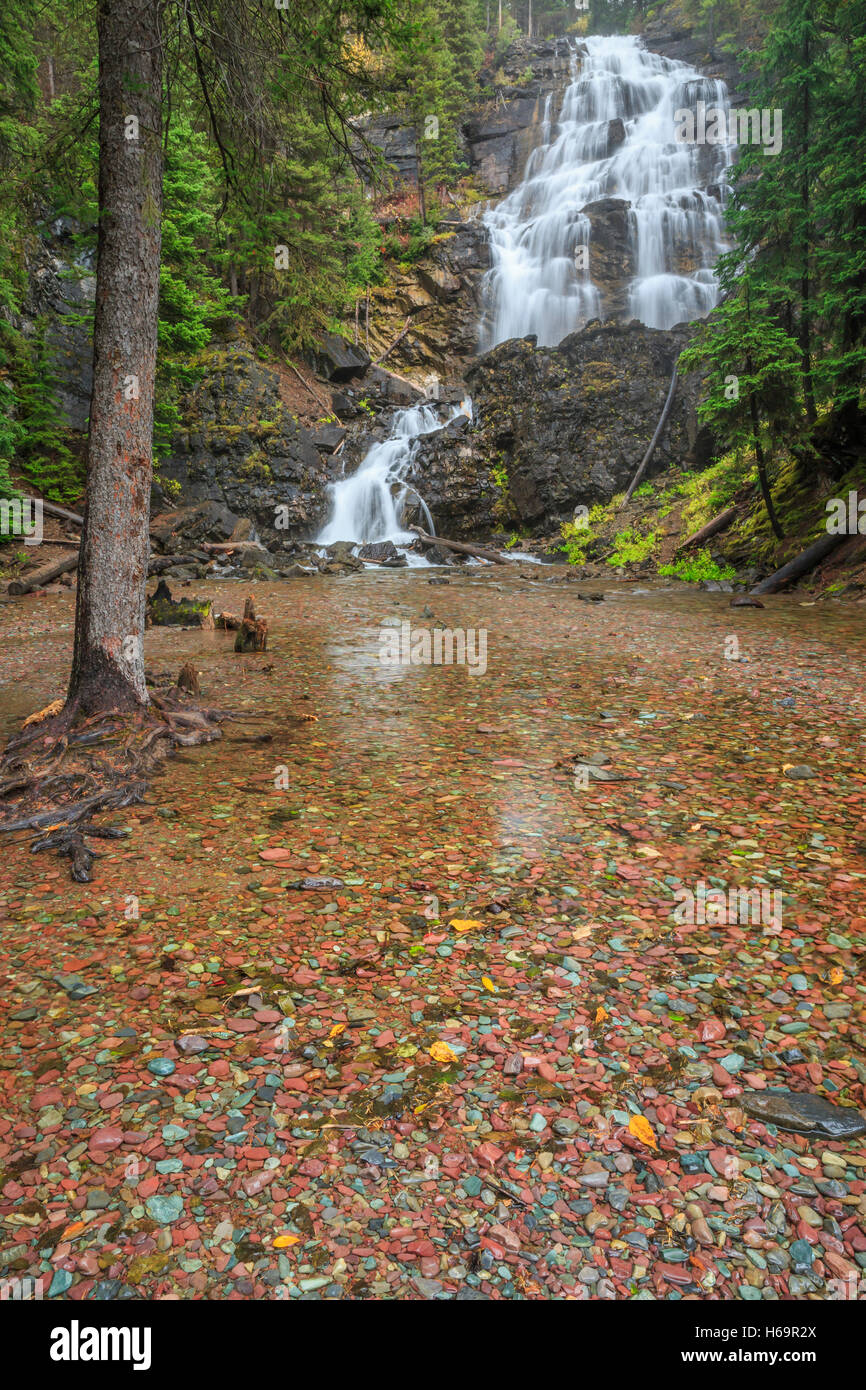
(719, 523)
(399, 338)
(645, 461)
(461, 547)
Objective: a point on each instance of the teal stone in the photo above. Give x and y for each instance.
(60, 1283)
(172, 1134)
(733, 1062)
(161, 1066)
(165, 1210)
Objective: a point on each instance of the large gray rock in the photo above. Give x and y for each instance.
(555, 428)
(241, 448)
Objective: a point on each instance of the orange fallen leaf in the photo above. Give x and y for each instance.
(282, 1242)
(601, 1014)
(441, 1052)
(641, 1128)
(337, 1029)
(461, 924)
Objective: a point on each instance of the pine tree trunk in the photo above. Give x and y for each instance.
(763, 477)
(805, 279)
(108, 663)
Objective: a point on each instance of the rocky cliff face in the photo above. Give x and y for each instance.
(440, 299)
(240, 447)
(674, 35)
(555, 428)
(500, 132)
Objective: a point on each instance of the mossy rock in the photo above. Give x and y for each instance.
(165, 611)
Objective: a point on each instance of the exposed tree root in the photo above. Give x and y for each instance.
(64, 767)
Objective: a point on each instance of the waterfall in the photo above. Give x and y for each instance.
(540, 279)
(368, 505)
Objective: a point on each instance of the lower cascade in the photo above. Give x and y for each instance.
(369, 505)
(616, 138)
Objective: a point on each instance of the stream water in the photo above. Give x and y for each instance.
(369, 505)
(540, 235)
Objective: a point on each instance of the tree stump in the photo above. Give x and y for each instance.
(188, 680)
(253, 632)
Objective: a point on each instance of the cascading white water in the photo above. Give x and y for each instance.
(538, 283)
(368, 505)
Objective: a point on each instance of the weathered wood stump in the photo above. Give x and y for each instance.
(187, 680)
(253, 632)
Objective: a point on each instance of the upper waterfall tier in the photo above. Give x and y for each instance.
(614, 139)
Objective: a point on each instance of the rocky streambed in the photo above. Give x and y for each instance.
(391, 992)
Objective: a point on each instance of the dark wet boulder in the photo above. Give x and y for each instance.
(804, 1113)
(557, 428)
(337, 360)
(328, 438)
(382, 553)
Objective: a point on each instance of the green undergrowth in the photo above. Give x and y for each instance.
(697, 569)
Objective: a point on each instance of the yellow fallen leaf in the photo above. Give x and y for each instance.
(337, 1029)
(441, 1052)
(282, 1242)
(835, 976)
(461, 924)
(601, 1014)
(641, 1128)
(488, 984)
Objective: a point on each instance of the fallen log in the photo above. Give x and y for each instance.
(800, 565)
(461, 547)
(157, 563)
(645, 461)
(712, 528)
(62, 513)
(36, 579)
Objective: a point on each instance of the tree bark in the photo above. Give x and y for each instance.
(107, 663)
(805, 278)
(763, 476)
